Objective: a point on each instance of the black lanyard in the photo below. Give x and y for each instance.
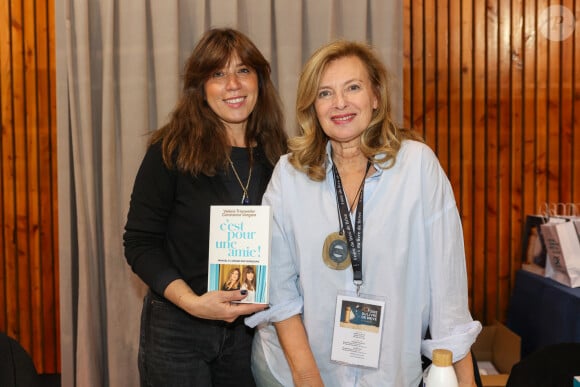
(354, 237)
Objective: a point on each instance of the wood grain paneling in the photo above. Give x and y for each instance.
(464, 101)
(495, 98)
(29, 263)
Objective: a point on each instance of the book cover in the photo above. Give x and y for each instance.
(239, 250)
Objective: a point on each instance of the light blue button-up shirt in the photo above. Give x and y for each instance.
(413, 256)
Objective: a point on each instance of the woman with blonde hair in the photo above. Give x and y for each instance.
(233, 281)
(364, 213)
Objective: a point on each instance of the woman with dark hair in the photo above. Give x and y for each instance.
(218, 148)
(249, 283)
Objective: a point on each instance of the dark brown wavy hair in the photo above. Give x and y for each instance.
(195, 139)
(250, 285)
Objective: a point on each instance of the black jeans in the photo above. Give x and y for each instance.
(177, 349)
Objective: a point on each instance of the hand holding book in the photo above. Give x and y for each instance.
(214, 305)
(239, 250)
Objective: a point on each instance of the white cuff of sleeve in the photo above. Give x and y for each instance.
(275, 313)
(459, 341)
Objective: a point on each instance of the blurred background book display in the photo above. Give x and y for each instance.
(551, 242)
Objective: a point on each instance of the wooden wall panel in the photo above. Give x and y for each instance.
(528, 60)
(479, 228)
(575, 111)
(516, 135)
(499, 112)
(566, 92)
(453, 93)
(29, 261)
(464, 101)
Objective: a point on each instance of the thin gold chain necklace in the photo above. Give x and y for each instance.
(245, 195)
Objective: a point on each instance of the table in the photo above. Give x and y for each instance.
(543, 312)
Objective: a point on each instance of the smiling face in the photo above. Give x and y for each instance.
(232, 92)
(345, 100)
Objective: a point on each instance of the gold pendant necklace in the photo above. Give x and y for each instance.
(335, 252)
(245, 195)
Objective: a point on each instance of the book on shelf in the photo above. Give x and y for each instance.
(239, 250)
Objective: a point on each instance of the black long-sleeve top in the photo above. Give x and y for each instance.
(167, 231)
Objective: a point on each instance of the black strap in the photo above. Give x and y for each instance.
(354, 236)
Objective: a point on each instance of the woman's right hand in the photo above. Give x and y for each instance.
(219, 305)
(215, 305)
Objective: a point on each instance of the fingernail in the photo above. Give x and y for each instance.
(244, 292)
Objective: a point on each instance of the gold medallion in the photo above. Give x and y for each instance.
(335, 252)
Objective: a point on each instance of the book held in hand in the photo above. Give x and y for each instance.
(239, 250)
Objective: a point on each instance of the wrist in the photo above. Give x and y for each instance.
(307, 378)
(186, 301)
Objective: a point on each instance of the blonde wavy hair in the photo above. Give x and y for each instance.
(382, 139)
